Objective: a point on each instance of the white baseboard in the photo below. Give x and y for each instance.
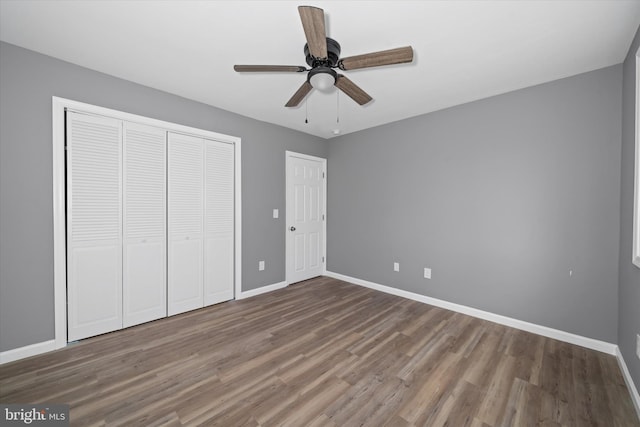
(633, 390)
(557, 334)
(27, 351)
(262, 290)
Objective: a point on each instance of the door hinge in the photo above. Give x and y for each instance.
(323, 174)
(323, 217)
(323, 259)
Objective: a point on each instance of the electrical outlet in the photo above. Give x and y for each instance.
(261, 265)
(638, 346)
(427, 273)
(396, 266)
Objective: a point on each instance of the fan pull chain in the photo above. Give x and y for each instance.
(306, 111)
(337, 106)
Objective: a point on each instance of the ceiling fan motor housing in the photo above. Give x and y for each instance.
(333, 54)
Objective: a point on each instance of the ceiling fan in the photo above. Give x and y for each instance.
(323, 56)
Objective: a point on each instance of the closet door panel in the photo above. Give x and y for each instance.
(218, 270)
(94, 225)
(186, 227)
(144, 297)
(219, 222)
(144, 268)
(94, 290)
(185, 276)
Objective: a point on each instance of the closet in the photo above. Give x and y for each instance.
(150, 223)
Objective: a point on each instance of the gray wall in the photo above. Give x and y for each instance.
(27, 82)
(629, 314)
(500, 197)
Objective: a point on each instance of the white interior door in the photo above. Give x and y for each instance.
(186, 228)
(94, 225)
(305, 216)
(219, 222)
(144, 222)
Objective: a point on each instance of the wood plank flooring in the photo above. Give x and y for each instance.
(324, 353)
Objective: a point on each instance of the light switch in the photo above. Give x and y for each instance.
(275, 213)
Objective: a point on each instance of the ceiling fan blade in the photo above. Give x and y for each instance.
(263, 68)
(352, 90)
(299, 95)
(313, 23)
(375, 59)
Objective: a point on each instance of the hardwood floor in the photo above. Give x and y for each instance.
(325, 353)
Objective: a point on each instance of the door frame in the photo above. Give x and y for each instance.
(59, 106)
(288, 248)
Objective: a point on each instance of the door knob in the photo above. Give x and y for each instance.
(292, 228)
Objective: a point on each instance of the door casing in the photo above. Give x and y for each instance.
(289, 249)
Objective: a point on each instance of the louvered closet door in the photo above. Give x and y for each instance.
(219, 222)
(144, 258)
(186, 228)
(94, 225)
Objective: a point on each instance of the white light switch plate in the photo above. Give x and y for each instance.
(638, 346)
(396, 266)
(276, 213)
(261, 265)
(427, 273)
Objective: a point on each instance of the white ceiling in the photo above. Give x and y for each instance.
(463, 50)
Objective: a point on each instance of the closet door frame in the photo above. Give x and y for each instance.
(59, 107)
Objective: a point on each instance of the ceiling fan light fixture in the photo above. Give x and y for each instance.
(322, 78)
